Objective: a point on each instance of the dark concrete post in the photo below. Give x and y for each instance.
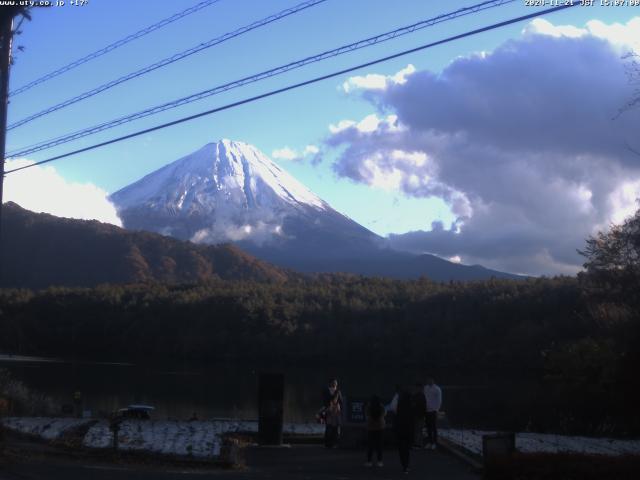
(114, 426)
(270, 408)
(497, 452)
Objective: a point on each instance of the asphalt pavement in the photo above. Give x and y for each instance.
(311, 462)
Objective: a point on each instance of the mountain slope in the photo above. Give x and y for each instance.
(379, 262)
(39, 250)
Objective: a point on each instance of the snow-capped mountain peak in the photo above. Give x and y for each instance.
(227, 191)
(218, 173)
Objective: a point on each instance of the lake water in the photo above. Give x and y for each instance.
(230, 390)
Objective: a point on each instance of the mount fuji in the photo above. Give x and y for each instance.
(229, 191)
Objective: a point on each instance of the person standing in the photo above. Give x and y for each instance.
(331, 392)
(433, 395)
(393, 405)
(419, 414)
(404, 428)
(332, 403)
(332, 425)
(375, 429)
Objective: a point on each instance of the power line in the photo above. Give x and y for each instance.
(298, 85)
(114, 45)
(169, 60)
(257, 77)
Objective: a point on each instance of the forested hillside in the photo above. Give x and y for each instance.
(39, 250)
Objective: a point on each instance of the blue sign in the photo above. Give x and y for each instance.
(356, 410)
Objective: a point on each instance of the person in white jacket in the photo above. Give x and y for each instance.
(393, 405)
(433, 394)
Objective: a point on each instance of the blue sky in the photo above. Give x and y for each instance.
(295, 119)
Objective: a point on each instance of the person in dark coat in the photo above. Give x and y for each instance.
(419, 414)
(375, 429)
(404, 427)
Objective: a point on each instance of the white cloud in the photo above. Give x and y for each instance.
(379, 175)
(310, 150)
(519, 142)
(620, 35)
(540, 26)
(624, 201)
(285, 153)
(369, 124)
(290, 154)
(43, 189)
(341, 126)
(260, 226)
(376, 81)
(624, 35)
(260, 232)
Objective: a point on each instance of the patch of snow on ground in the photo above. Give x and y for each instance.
(199, 439)
(43, 427)
(303, 429)
(471, 440)
(98, 436)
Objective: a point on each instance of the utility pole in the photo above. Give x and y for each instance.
(6, 31)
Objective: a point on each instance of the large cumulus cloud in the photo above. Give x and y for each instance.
(521, 142)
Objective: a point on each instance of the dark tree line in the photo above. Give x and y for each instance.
(331, 317)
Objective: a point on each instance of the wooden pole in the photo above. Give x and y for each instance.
(6, 31)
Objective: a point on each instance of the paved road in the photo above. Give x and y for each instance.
(299, 462)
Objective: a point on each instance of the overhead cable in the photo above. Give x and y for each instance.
(297, 85)
(114, 45)
(167, 61)
(44, 145)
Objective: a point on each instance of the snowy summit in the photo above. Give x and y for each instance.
(226, 191)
